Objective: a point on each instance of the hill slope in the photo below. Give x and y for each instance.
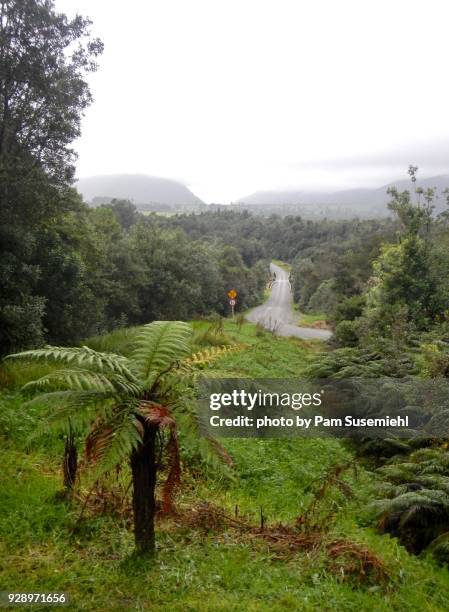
(139, 188)
(360, 199)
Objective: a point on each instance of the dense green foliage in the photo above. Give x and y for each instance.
(390, 313)
(86, 548)
(43, 61)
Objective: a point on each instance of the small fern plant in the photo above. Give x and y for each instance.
(415, 503)
(126, 405)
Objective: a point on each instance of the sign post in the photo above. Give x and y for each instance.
(232, 295)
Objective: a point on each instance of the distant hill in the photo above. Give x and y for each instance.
(141, 189)
(362, 201)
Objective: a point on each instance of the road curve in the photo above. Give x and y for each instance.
(277, 312)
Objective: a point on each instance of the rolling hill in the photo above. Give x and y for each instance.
(362, 201)
(146, 192)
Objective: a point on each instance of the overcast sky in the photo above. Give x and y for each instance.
(234, 96)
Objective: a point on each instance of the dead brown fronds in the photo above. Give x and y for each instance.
(349, 560)
(161, 417)
(356, 562)
(313, 518)
(209, 517)
(101, 499)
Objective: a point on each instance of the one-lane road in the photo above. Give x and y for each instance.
(277, 312)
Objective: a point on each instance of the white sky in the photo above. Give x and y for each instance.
(234, 96)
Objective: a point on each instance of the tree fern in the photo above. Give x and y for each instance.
(121, 404)
(415, 498)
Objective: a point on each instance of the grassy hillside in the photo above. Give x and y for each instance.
(211, 553)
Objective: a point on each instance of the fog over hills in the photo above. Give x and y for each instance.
(364, 200)
(141, 189)
(161, 194)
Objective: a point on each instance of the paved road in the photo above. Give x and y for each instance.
(277, 312)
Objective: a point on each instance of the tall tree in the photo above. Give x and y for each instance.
(44, 57)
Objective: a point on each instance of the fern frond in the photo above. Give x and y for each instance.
(423, 499)
(207, 449)
(156, 414)
(85, 380)
(77, 407)
(159, 346)
(399, 472)
(439, 549)
(113, 440)
(174, 470)
(83, 357)
(205, 357)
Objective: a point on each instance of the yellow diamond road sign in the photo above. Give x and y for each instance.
(232, 294)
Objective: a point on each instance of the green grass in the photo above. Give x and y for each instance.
(44, 546)
(118, 341)
(193, 569)
(266, 294)
(282, 264)
(309, 318)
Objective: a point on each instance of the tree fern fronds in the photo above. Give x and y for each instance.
(418, 515)
(214, 455)
(208, 355)
(84, 380)
(174, 470)
(112, 441)
(208, 450)
(399, 472)
(434, 481)
(439, 548)
(84, 357)
(67, 409)
(159, 345)
(72, 398)
(431, 456)
(434, 468)
(112, 396)
(220, 450)
(156, 414)
(387, 489)
(423, 499)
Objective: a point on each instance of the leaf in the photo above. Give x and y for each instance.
(84, 357)
(84, 380)
(112, 440)
(156, 414)
(174, 471)
(159, 346)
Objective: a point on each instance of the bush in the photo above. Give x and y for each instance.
(346, 333)
(349, 309)
(324, 299)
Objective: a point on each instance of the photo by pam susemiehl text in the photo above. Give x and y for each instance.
(289, 408)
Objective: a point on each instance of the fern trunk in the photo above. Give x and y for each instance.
(144, 468)
(70, 462)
